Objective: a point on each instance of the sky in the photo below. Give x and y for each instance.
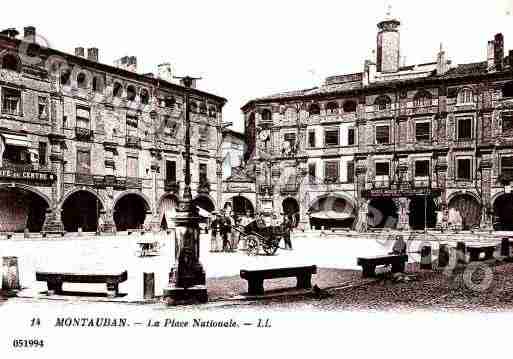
(248, 49)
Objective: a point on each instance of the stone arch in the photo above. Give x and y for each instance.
(27, 188)
(167, 205)
(206, 203)
(81, 208)
(70, 193)
(146, 200)
(237, 207)
(22, 207)
(332, 210)
(502, 205)
(467, 205)
(291, 208)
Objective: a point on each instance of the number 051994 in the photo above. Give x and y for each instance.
(28, 343)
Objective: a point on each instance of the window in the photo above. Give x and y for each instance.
(171, 171)
(507, 124)
(331, 108)
(65, 76)
(349, 106)
(11, 100)
(465, 96)
(203, 133)
(350, 137)
(193, 106)
(422, 168)
(383, 134)
(212, 112)
(383, 103)
(464, 128)
(463, 169)
(130, 93)
(350, 172)
(42, 153)
(145, 97)
(266, 116)
(84, 161)
(312, 175)
(43, 108)
(331, 138)
(203, 178)
(290, 114)
(422, 99)
(203, 108)
(507, 167)
(331, 174)
(83, 117)
(81, 81)
(290, 138)
(423, 131)
(507, 90)
(314, 109)
(169, 102)
(97, 84)
(311, 139)
(382, 169)
(132, 123)
(10, 62)
(117, 90)
(132, 167)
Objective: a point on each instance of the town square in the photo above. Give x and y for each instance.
(264, 159)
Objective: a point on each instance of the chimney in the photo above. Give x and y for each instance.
(441, 62)
(92, 54)
(499, 52)
(79, 51)
(388, 43)
(490, 54)
(128, 63)
(29, 34)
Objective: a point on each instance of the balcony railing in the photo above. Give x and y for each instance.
(133, 141)
(17, 166)
(171, 186)
(83, 134)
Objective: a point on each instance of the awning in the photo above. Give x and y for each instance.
(332, 215)
(16, 140)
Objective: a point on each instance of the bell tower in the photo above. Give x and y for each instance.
(388, 42)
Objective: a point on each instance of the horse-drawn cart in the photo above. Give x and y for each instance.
(256, 237)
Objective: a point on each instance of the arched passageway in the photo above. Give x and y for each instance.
(468, 209)
(503, 212)
(81, 209)
(167, 211)
(422, 212)
(382, 213)
(130, 212)
(291, 210)
(332, 212)
(20, 209)
(241, 205)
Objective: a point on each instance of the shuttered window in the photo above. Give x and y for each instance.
(507, 124)
(312, 175)
(382, 169)
(83, 117)
(132, 167)
(350, 172)
(421, 168)
(464, 169)
(83, 162)
(423, 131)
(203, 173)
(331, 138)
(350, 137)
(464, 129)
(311, 138)
(331, 173)
(507, 166)
(383, 134)
(132, 123)
(171, 171)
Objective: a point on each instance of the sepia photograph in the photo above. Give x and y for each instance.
(240, 179)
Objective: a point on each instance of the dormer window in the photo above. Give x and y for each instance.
(82, 81)
(465, 96)
(145, 97)
(266, 116)
(314, 109)
(117, 90)
(130, 93)
(331, 108)
(10, 62)
(349, 106)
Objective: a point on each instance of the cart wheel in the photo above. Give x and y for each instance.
(252, 245)
(269, 248)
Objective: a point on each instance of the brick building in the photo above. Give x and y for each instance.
(81, 140)
(422, 146)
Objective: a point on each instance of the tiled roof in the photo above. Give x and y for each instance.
(467, 69)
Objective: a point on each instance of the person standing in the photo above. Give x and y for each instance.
(287, 226)
(215, 233)
(225, 231)
(245, 220)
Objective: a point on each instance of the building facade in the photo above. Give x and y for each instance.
(408, 147)
(87, 145)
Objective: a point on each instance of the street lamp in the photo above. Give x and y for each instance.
(187, 282)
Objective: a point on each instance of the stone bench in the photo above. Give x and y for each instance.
(256, 278)
(369, 264)
(54, 280)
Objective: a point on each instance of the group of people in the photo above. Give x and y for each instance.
(226, 239)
